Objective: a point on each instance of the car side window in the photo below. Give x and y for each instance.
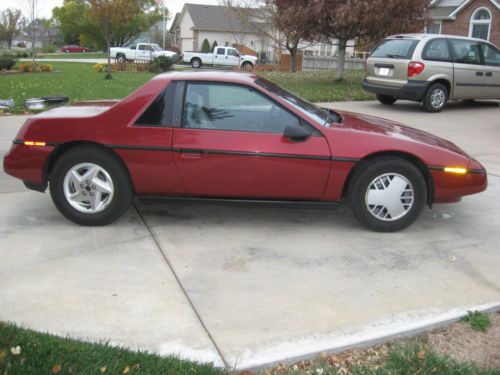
(141, 47)
(466, 51)
(220, 51)
(160, 111)
(436, 49)
(491, 55)
(232, 52)
(233, 108)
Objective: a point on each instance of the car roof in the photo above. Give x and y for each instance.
(208, 75)
(423, 36)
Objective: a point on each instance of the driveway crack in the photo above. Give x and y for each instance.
(191, 303)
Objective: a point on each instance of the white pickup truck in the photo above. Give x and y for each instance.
(141, 51)
(227, 56)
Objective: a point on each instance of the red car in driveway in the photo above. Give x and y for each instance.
(226, 136)
(74, 48)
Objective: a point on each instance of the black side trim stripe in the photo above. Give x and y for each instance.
(477, 84)
(219, 152)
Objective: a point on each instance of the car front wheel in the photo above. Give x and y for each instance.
(90, 186)
(387, 194)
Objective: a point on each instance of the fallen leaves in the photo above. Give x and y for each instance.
(15, 350)
(56, 369)
(421, 354)
(103, 369)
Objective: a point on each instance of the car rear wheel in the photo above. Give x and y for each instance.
(247, 66)
(196, 63)
(435, 98)
(90, 186)
(387, 194)
(385, 99)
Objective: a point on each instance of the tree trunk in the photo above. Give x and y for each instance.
(341, 58)
(108, 43)
(33, 40)
(9, 43)
(293, 60)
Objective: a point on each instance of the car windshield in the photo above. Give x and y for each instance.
(395, 48)
(321, 115)
(156, 47)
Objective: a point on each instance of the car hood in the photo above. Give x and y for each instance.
(391, 129)
(248, 57)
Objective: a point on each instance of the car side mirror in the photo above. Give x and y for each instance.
(296, 133)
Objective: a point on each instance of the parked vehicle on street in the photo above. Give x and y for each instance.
(222, 56)
(235, 137)
(72, 48)
(433, 69)
(141, 52)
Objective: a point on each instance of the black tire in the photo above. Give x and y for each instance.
(247, 66)
(121, 59)
(196, 63)
(122, 192)
(366, 174)
(386, 100)
(435, 98)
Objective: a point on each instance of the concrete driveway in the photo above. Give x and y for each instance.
(243, 287)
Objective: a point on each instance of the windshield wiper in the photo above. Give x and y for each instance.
(331, 114)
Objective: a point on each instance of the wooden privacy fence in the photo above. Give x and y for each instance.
(135, 67)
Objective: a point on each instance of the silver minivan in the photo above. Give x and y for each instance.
(433, 69)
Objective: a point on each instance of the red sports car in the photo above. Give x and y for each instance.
(74, 48)
(235, 137)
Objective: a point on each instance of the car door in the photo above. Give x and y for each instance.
(220, 56)
(468, 69)
(233, 57)
(492, 71)
(231, 144)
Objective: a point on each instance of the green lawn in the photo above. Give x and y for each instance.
(47, 354)
(80, 82)
(86, 55)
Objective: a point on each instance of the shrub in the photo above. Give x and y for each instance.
(160, 64)
(28, 67)
(104, 67)
(7, 62)
(214, 45)
(205, 47)
(22, 55)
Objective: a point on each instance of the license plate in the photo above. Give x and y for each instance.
(383, 72)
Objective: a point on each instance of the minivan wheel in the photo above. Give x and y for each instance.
(435, 98)
(387, 194)
(90, 186)
(385, 99)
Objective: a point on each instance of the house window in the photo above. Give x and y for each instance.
(480, 23)
(434, 28)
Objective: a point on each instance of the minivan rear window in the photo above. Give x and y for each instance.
(395, 49)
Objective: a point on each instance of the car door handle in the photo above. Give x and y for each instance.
(489, 74)
(479, 74)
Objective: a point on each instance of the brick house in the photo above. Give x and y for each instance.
(473, 18)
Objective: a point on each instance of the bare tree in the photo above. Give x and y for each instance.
(277, 21)
(31, 9)
(346, 20)
(10, 25)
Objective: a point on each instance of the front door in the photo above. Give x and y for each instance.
(231, 144)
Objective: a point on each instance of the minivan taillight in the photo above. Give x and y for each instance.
(415, 68)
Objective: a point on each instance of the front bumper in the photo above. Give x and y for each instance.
(413, 90)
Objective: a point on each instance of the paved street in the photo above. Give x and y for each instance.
(243, 287)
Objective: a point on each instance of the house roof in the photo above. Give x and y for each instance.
(448, 9)
(220, 18)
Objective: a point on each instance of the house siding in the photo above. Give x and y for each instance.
(460, 26)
